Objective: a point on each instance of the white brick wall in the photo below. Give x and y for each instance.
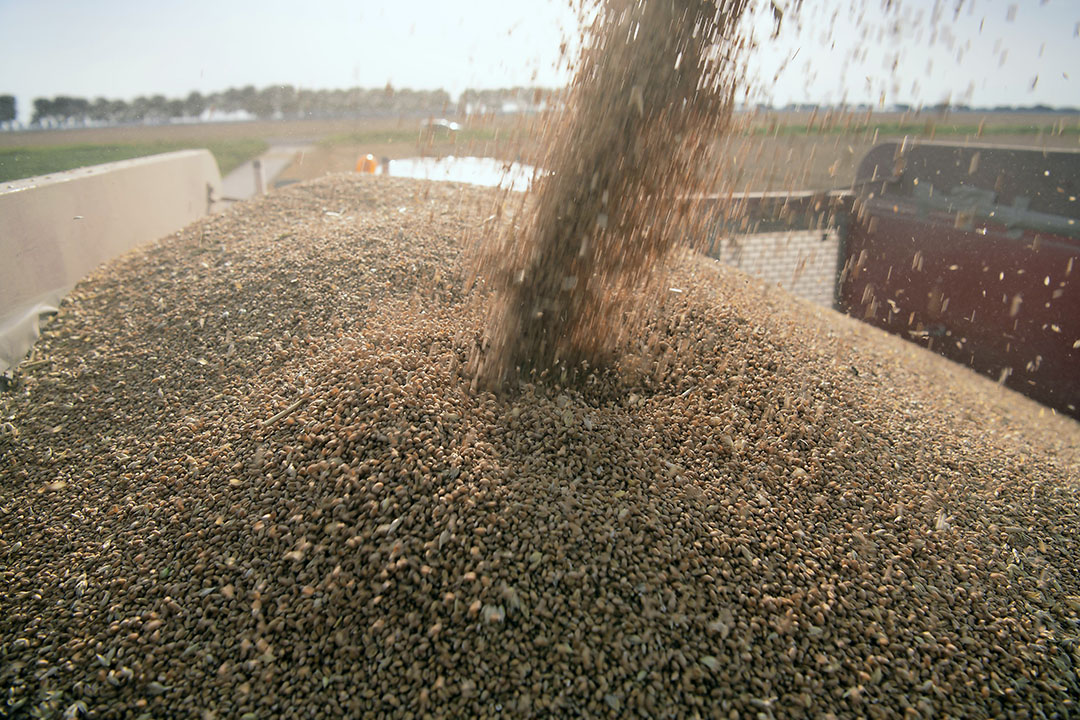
(803, 262)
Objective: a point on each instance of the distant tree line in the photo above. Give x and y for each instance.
(515, 99)
(277, 101)
(7, 108)
(938, 108)
(950, 107)
(288, 102)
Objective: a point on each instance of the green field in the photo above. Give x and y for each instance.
(924, 128)
(23, 162)
(816, 126)
(828, 144)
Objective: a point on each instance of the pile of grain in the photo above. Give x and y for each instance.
(766, 510)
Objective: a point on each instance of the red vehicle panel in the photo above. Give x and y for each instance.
(993, 286)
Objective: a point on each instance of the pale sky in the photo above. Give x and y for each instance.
(125, 48)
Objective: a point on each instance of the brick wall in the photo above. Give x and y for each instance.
(803, 262)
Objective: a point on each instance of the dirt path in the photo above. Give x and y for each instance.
(240, 184)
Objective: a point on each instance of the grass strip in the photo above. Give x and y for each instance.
(24, 162)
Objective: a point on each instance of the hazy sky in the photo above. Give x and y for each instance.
(125, 48)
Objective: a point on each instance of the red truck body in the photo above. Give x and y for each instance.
(973, 252)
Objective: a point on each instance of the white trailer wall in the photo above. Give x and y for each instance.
(55, 229)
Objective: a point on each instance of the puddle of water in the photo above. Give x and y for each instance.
(474, 170)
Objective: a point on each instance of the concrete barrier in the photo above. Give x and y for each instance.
(55, 229)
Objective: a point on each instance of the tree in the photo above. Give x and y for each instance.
(307, 102)
(195, 104)
(263, 103)
(119, 111)
(158, 107)
(101, 110)
(232, 100)
(247, 98)
(7, 108)
(43, 110)
(141, 109)
(72, 108)
(289, 104)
